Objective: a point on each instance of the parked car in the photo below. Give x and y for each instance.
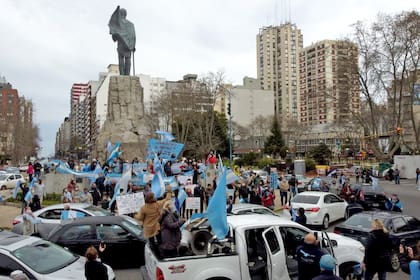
(122, 236)
(321, 208)
(403, 229)
(39, 259)
(12, 170)
(370, 196)
(262, 173)
(248, 208)
(50, 216)
(8, 181)
(302, 181)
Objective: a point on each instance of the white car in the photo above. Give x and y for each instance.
(50, 216)
(39, 259)
(8, 181)
(321, 208)
(249, 208)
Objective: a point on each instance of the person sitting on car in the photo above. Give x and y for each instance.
(393, 203)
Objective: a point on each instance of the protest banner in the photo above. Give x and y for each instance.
(130, 203)
(192, 203)
(163, 149)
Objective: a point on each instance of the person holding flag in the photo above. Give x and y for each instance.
(149, 216)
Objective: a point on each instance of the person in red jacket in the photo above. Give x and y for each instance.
(30, 171)
(268, 198)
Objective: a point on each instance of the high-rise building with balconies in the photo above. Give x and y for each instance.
(329, 87)
(278, 50)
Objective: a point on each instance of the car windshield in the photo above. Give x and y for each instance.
(308, 199)
(133, 225)
(360, 221)
(44, 257)
(96, 211)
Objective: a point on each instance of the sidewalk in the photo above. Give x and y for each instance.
(7, 214)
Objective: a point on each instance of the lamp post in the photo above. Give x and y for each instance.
(230, 126)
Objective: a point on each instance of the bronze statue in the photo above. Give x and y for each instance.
(123, 31)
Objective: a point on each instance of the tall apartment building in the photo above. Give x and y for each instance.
(278, 50)
(329, 88)
(153, 87)
(63, 138)
(78, 113)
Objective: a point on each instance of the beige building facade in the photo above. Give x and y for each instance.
(278, 50)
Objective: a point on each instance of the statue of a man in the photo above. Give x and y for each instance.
(123, 31)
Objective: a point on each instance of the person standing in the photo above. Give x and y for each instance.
(199, 192)
(37, 169)
(397, 176)
(327, 265)
(94, 268)
(94, 192)
(308, 258)
(410, 264)
(377, 252)
(39, 190)
(25, 190)
(170, 227)
(301, 217)
(293, 186)
(30, 171)
(284, 191)
(149, 216)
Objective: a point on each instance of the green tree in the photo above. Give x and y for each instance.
(320, 153)
(274, 143)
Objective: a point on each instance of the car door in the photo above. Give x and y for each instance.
(414, 228)
(121, 246)
(339, 206)
(76, 238)
(10, 182)
(276, 257)
(401, 232)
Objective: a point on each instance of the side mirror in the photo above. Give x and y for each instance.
(18, 274)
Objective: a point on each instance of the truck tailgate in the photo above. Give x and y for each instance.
(194, 267)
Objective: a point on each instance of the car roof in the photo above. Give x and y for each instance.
(72, 205)
(94, 220)
(382, 215)
(257, 220)
(11, 241)
(319, 194)
(241, 206)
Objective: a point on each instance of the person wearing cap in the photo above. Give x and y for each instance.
(327, 265)
(308, 258)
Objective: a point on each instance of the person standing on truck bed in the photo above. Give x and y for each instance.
(308, 257)
(149, 215)
(170, 226)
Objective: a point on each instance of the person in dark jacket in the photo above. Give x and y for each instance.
(94, 268)
(308, 257)
(377, 251)
(170, 228)
(301, 217)
(327, 265)
(94, 192)
(254, 197)
(410, 263)
(199, 192)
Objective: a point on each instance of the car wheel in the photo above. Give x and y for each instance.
(348, 273)
(3, 188)
(346, 214)
(325, 222)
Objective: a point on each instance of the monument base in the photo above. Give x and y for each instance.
(125, 121)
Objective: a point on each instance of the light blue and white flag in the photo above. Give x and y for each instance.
(216, 211)
(274, 180)
(15, 191)
(375, 182)
(231, 177)
(158, 185)
(182, 196)
(121, 185)
(28, 195)
(166, 136)
(109, 147)
(114, 153)
(332, 173)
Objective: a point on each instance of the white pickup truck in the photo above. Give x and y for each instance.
(258, 247)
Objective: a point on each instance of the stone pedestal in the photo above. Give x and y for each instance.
(125, 120)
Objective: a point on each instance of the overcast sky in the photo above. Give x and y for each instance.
(47, 45)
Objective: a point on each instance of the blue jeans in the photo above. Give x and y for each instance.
(369, 274)
(397, 180)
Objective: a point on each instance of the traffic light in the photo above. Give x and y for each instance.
(399, 129)
(228, 109)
